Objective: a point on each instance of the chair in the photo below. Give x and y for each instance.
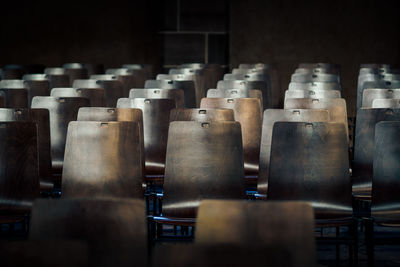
(386, 103)
(1, 101)
(103, 159)
(197, 80)
(176, 94)
(148, 67)
(312, 94)
(235, 93)
(114, 228)
(96, 96)
(309, 162)
(127, 78)
(286, 228)
(156, 114)
(336, 107)
(269, 68)
(202, 114)
(12, 71)
(249, 113)
(367, 118)
(37, 85)
(271, 116)
(187, 87)
(19, 169)
(14, 97)
(204, 160)
(385, 184)
(315, 86)
(249, 85)
(320, 65)
(388, 85)
(113, 88)
(75, 72)
(41, 118)
(58, 77)
(62, 110)
(309, 78)
(370, 94)
(317, 70)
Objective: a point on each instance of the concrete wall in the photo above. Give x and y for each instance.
(286, 32)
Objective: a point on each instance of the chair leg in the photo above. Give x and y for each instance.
(337, 247)
(369, 240)
(159, 227)
(355, 237)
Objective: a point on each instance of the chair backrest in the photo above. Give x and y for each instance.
(176, 94)
(386, 168)
(12, 71)
(62, 110)
(114, 88)
(126, 77)
(15, 97)
(1, 101)
(386, 103)
(271, 116)
(156, 114)
(367, 118)
(370, 94)
(87, 83)
(58, 77)
(235, 93)
(248, 112)
(317, 70)
(309, 162)
(37, 85)
(309, 78)
(12, 83)
(312, 94)
(19, 167)
(202, 114)
(288, 227)
(41, 118)
(102, 159)
(96, 96)
(204, 161)
(113, 228)
(75, 73)
(336, 106)
(320, 65)
(147, 67)
(315, 86)
(188, 88)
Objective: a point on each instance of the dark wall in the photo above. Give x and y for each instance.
(56, 32)
(288, 32)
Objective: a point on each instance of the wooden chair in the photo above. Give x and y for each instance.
(103, 159)
(62, 110)
(1, 101)
(75, 72)
(14, 97)
(386, 103)
(126, 77)
(58, 77)
(235, 93)
(113, 87)
(370, 94)
(114, 228)
(37, 85)
(203, 115)
(312, 94)
(249, 113)
(271, 116)
(315, 86)
(96, 96)
(176, 94)
(309, 78)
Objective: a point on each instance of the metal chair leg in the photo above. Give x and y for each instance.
(369, 240)
(337, 247)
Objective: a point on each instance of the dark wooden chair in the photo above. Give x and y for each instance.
(271, 116)
(19, 180)
(204, 161)
(187, 86)
(12, 71)
(113, 87)
(309, 78)
(58, 77)
(76, 72)
(235, 93)
(103, 159)
(114, 228)
(1, 101)
(286, 226)
(385, 184)
(312, 94)
(212, 72)
(127, 78)
(367, 118)
(41, 118)
(203, 115)
(386, 103)
(96, 96)
(147, 67)
(310, 162)
(176, 94)
(62, 110)
(14, 97)
(156, 114)
(248, 112)
(369, 95)
(37, 85)
(317, 70)
(315, 86)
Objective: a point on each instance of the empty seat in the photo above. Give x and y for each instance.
(176, 94)
(317, 70)
(271, 116)
(113, 88)
(58, 77)
(386, 103)
(156, 114)
(148, 67)
(19, 169)
(202, 114)
(336, 107)
(309, 78)
(41, 118)
(103, 159)
(314, 86)
(37, 85)
(75, 72)
(204, 161)
(370, 94)
(14, 97)
(312, 94)
(62, 110)
(12, 71)
(259, 225)
(96, 96)
(127, 78)
(186, 86)
(248, 112)
(367, 118)
(114, 229)
(235, 93)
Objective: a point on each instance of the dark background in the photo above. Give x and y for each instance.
(167, 33)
